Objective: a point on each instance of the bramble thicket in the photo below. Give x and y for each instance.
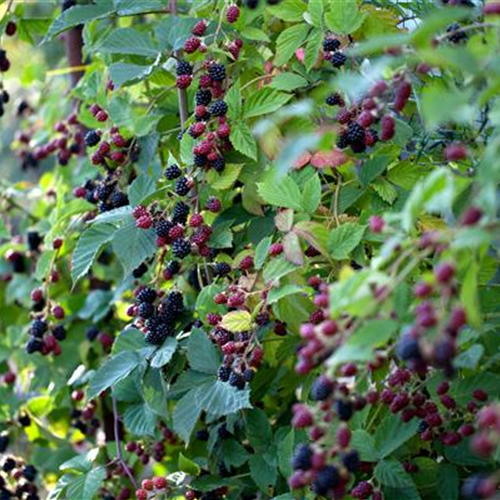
(250, 250)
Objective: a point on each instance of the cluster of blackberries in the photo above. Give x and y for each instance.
(332, 53)
(441, 349)
(68, 141)
(455, 34)
(236, 379)
(104, 193)
(45, 336)
(84, 418)
(157, 316)
(115, 150)
(17, 479)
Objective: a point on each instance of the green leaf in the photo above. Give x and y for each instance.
(87, 248)
(363, 442)
(86, 486)
(121, 73)
(344, 239)
(313, 48)
(285, 450)
(392, 433)
(315, 234)
(262, 472)
(133, 246)
(233, 101)
(205, 301)
(447, 482)
(81, 463)
(79, 15)
(311, 194)
(315, 9)
(292, 249)
(372, 168)
(112, 371)
(258, 429)
(164, 354)
(291, 11)
(233, 453)
(237, 321)
(264, 101)
(130, 339)
(131, 7)
(116, 215)
(276, 294)
(188, 466)
(469, 295)
(44, 264)
(185, 416)
(392, 473)
(140, 420)
(129, 41)
(141, 188)
(385, 190)
(227, 178)
(219, 398)
(243, 141)
(281, 193)
(261, 252)
(201, 352)
(277, 268)
(289, 41)
(172, 32)
(288, 82)
(344, 17)
(360, 345)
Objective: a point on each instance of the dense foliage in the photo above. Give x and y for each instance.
(260, 257)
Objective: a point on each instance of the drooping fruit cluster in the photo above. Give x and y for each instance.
(155, 487)
(66, 143)
(156, 315)
(146, 450)
(17, 478)
(332, 52)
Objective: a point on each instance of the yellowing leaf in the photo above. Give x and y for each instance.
(237, 321)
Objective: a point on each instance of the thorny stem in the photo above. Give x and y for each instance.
(118, 444)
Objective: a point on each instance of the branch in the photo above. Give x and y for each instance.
(119, 446)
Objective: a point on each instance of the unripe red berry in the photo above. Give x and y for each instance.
(480, 395)
(455, 152)
(141, 494)
(233, 13)
(36, 295)
(9, 378)
(471, 216)
(442, 388)
(387, 128)
(376, 224)
(422, 289)
(101, 116)
(148, 485)
(57, 243)
(58, 312)
(10, 28)
(492, 8)
(199, 28)
(444, 272)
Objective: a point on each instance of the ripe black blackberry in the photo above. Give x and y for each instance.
(224, 373)
(181, 248)
(218, 108)
(163, 227)
(146, 295)
(327, 479)
(92, 333)
(331, 44)
(29, 472)
(146, 310)
(355, 133)
(342, 141)
(302, 457)
(222, 269)
(338, 59)
(92, 138)
(104, 206)
(175, 301)
(456, 33)
(156, 335)
(38, 327)
(182, 186)
(24, 420)
(103, 191)
(181, 212)
(173, 267)
(59, 332)
(202, 435)
(5, 97)
(183, 68)
(4, 442)
(140, 271)
(34, 239)
(119, 199)
(237, 380)
(217, 72)
(248, 375)
(9, 464)
(203, 97)
(67, 4)
(200, 160)
(358, 147)
(351, 461)
(321, 389)
(334, 100)
(172, 172)
(344, 409)
(219, 164)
